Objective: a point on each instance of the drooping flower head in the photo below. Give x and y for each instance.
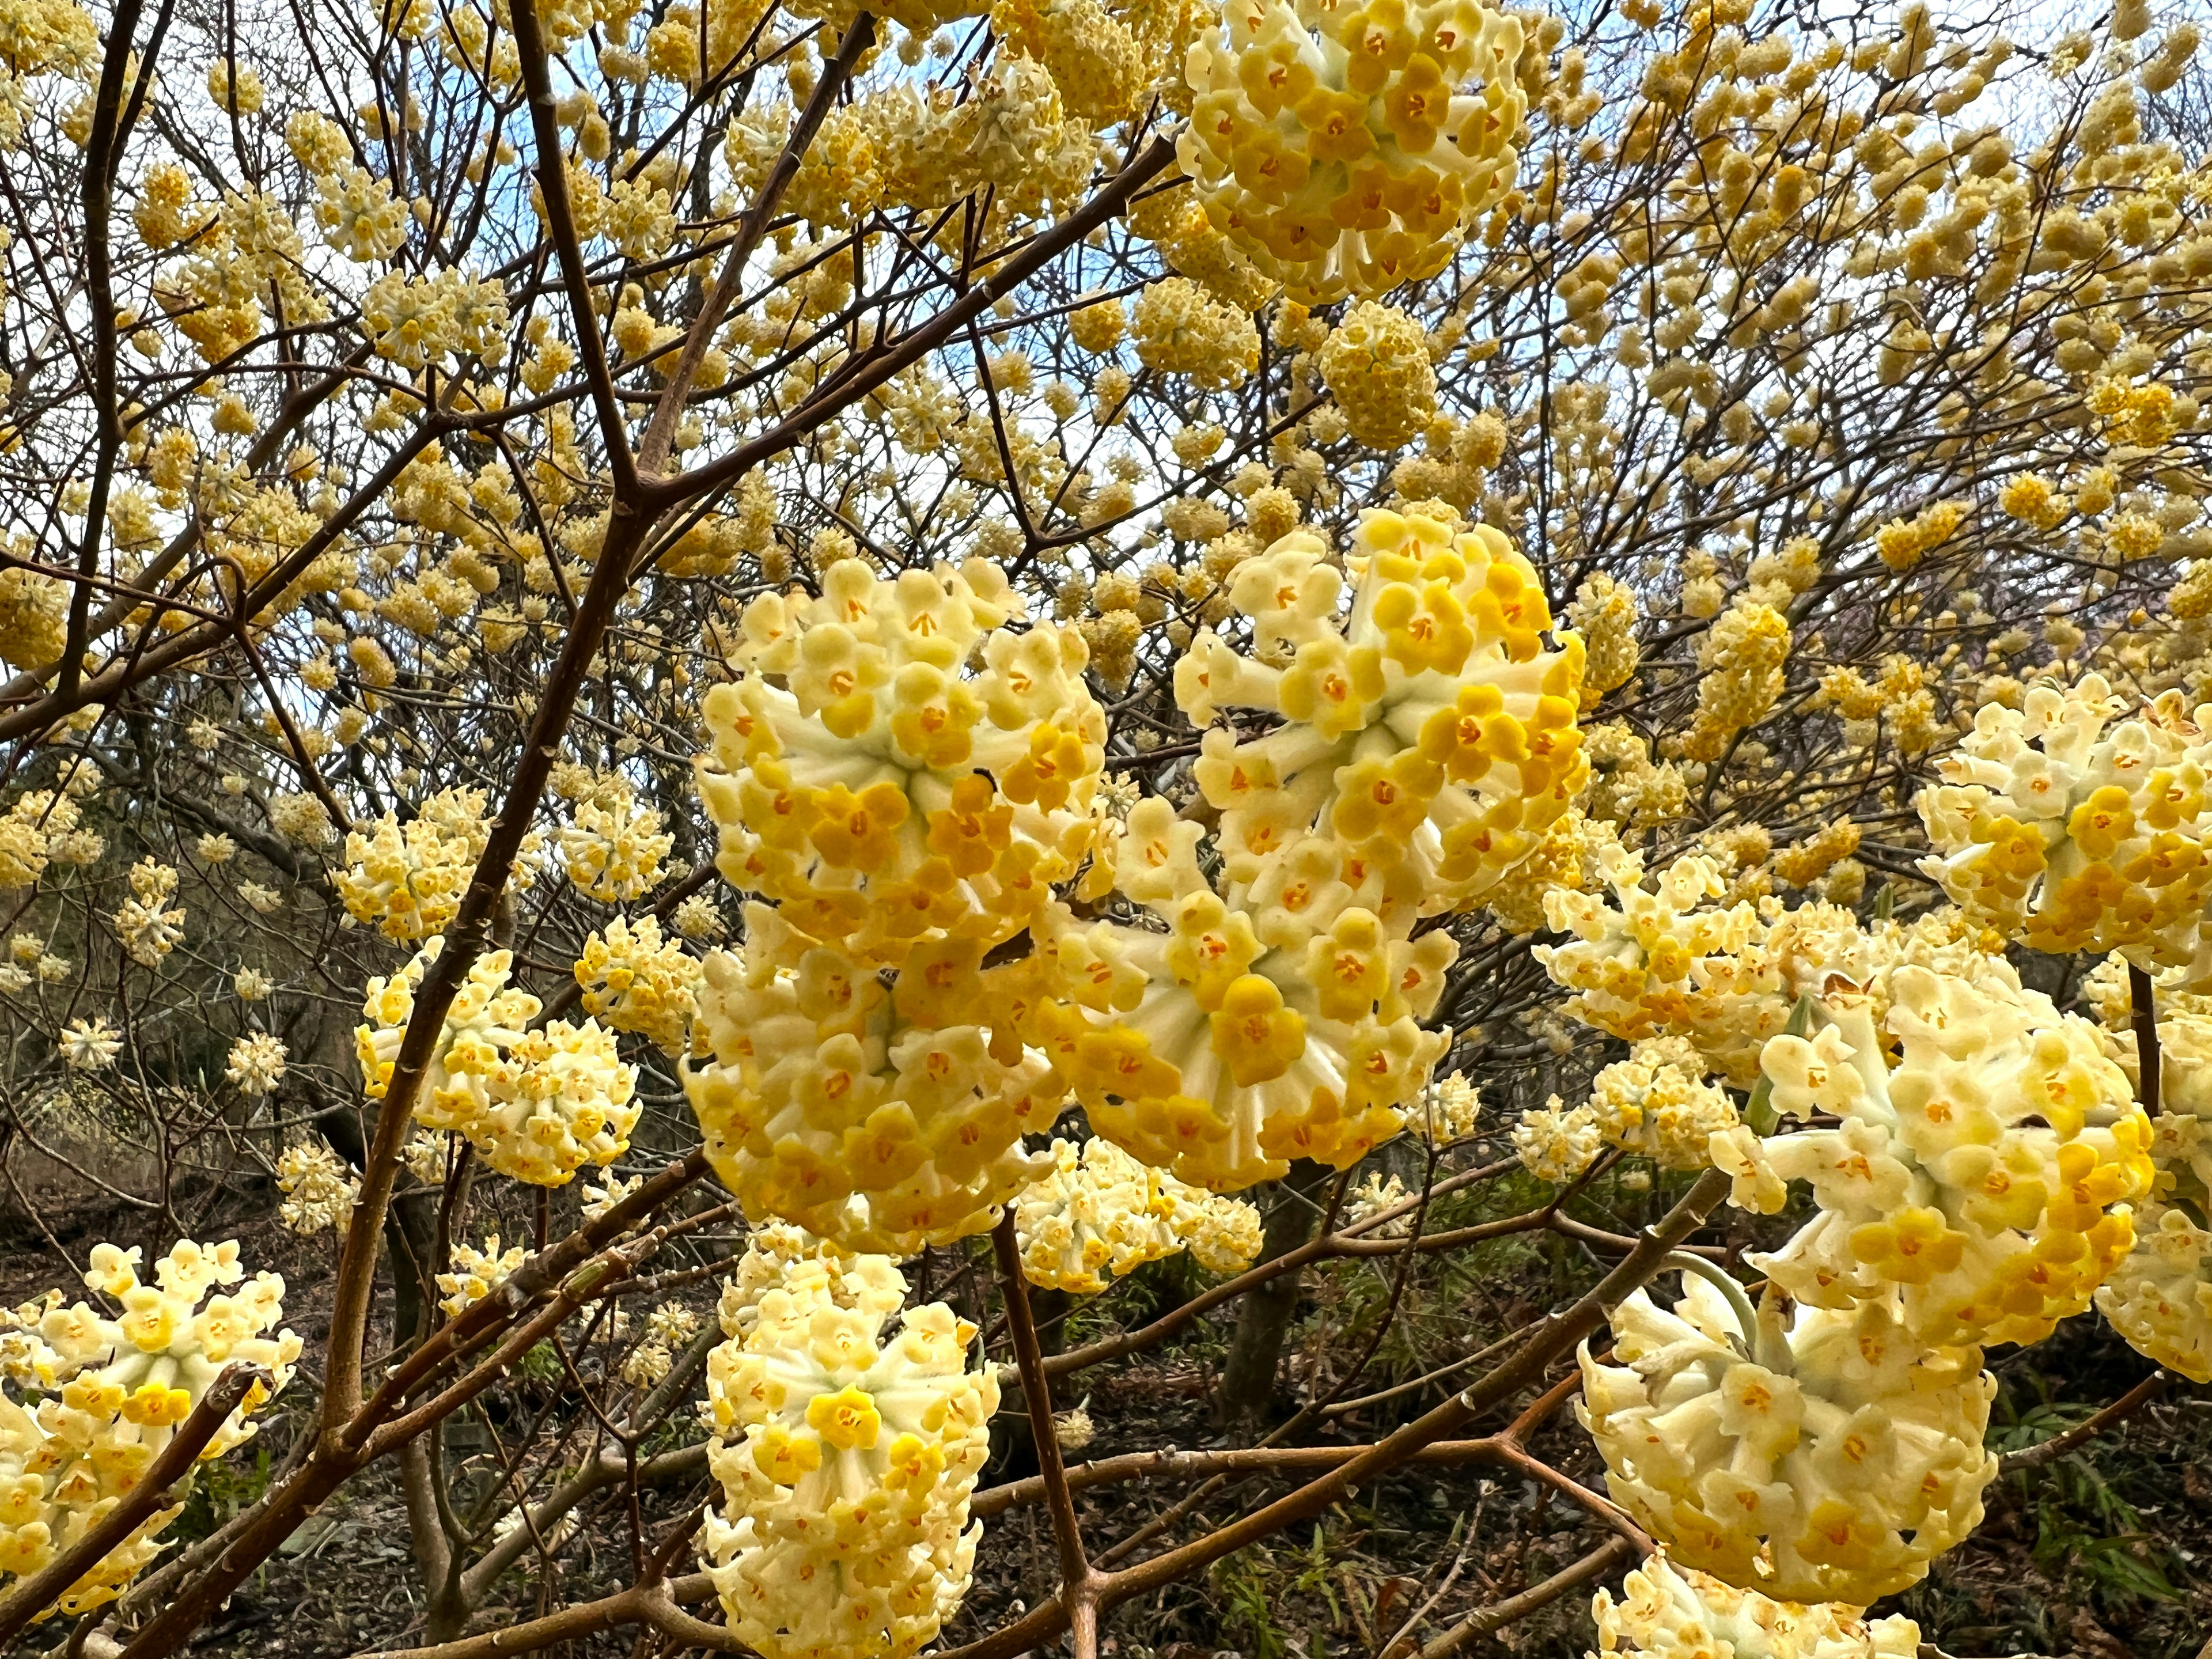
(846, 1457)
(1345, 147)
(1679, 1612)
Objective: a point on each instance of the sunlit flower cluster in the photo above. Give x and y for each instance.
(846, 1457)
(538, 1102)
(884, 1119)
(408, 879)
(101, 1397)
(1342, 147)
(882, 791)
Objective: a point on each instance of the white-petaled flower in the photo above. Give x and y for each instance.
(216, 849)
(147, 931)
(14, 979)
(847, 1460)
(424, 1155)
(2160, 1297)
(698, 918)
(598, 1200)
(1556, 1144)
(538, 1102)
(90, 1045)
(635, 981)
(613, 847)
(264, 901)
(476, 1274)
(1678, 1613)
(113, 1392)
(882, 790)
(257, 1063)
(647, 1363)
(252, 985)
(1823, 1456)
(319, 1190)
(1074, 1429)
(878, 1118)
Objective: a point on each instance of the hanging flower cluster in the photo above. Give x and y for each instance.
(1097, 1214)
(475, 1274)
(1823, 1456)
(101, 1397)
(637, 981)
(1679, 1612)
(884, 1119)
(879, 788)
(319, 1190)
(407, 880)
(2071, 828)
(538, 1103)
(846, 1457)
(1656, 1104)
(1340, 147)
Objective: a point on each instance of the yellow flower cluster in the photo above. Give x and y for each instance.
(637, 982)
(882, 791)
(1179, 328)
(408, 879)
(1679, 1612)
(317, 1191)
(33, 617)
(2160, 1299)
(1428, 727)
(1818, 1456)
(475, 1274)
(613, 847)
(147, 931)
(110, 1393)
(2071, 830)
(418, 322)
(1337, 147)
(1098, 1213)
(846, 1461)
(1980, 1184)
(883, 1119)
(1657, 1104)
(1742, 656)
(1556, 1144)
(538, 1104)
(1448, 1110)
(1376, 365)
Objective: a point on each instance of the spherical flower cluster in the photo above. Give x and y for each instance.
(90, 1045)
(1657, 1104)
(878, 788)
(2072, 831)
(1098, 1213)
(1270, 1023)
(1741, 656)
(537, 1103)
(1336, 147)
(417, 321)
(637, 982)
(257, 1063)
(1180, 329)
(110, 1392)
(2160, 1299)
(408, 879)
(613, 847)
(41, 827)
(847, 1462)
(319, 1191)
(476, 1274)
(883, 1119)
(1981, 1183)
(1824, 1456)
(1428, 727)
(147, 930)
(1376, 365)
(1556, 1144)
(1448, 1110)
(33, 617)
(1679, 1612)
